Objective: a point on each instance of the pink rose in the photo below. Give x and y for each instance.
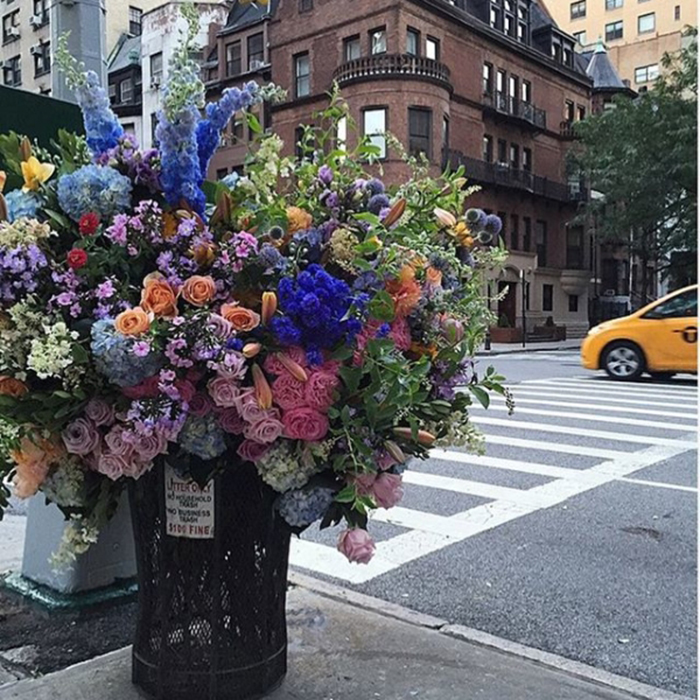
(224, 392)
(112, 466)
(186, 388)
(99, 412)
(117, 443)
(147, 447)
(135, 469)
(319, 390)
(273, 366)
(400, 333)
(288, 392)
(252, 451)
(266, 430)
(249, 408)
(201, 404)
(230, 421)
(356, 545)
(364, 482)
(80, 437)
(385, 461)
(387, 490)
(305, 424)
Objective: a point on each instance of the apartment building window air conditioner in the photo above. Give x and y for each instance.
(36, 21)
(13, 32)
(36, 50)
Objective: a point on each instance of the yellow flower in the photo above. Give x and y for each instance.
(35, 173)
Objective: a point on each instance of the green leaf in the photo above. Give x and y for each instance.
(253, 123)
(382, 307)
(347, 495)
(480, 394)
(62, 221)
(351, 377)
(80, 354)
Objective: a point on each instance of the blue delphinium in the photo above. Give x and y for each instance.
(302, 507)
(94, 188)
(102, 128)
(317, 312)
(21, 204)
(115, 358)
(202, 437)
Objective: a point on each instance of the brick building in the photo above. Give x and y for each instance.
(490, 84)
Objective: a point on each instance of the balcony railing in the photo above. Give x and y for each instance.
(514, 178)
(566, 130)
(517, 109)
(393, 66)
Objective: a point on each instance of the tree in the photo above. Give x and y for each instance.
(642, 157)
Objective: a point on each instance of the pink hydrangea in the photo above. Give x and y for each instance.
(356, 545)
(305, 424)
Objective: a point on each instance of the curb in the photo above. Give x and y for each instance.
(526, 349)
(635, 689)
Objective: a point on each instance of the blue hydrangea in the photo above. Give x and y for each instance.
(202, 437)
(22, 204)
(115, 358)
(102, 128)
(303, 507)
(94, 188)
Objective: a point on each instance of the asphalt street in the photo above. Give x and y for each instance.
(575, 534)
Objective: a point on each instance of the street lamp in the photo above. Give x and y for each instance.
(523, 297)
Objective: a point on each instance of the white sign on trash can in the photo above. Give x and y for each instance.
(189, 509)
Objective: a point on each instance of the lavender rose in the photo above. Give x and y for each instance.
(99, 412)
(252, 451)
(117, 442)
(80, 437)
(224, 392)
(356, 545)
(111, 465)
(267, 429)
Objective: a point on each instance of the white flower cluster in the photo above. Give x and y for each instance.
(51, 354)
(23, 232)
(65, 485)
(282, 470)
(462, 433)
(78, 535)
(9, 437)
(17, 330)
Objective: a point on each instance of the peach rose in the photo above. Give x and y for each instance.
(158, 297)
(299, 220)
(9, 386)
(33, 459)
(241, 319)
(199, 290)
(132, 321)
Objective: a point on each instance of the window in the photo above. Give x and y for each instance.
(514, 156)
(502, 152)
(522, 31)
(154, 126)
(541, 243)
(377, 41)
(306, 5)
(578, 9)
(234, 65)
(682, 306)
(527, 233)
(613, 31)
(419, 126)
(237, 131)
(341, 134)
(569, 111)
(126, 91)
(500, 82)
(135, 21)
(12, 72)
(547, 297)
(646, 74)
(156, 67)
(112, 91)
(42, 60)
(221, 173)
(445, 134)
(374, 127)
(256, 51)
(580, 37)
(677, 13)
(509, 25)
(432, 48)
(513, 88)
(613, 4)
(487, 79)
(646, 23)
(412, 42)
(574, 248)
(514, 237)
(573, 303)
(302, 75)
(495, 17)
(10, 27)
(526, 91)
(527, 160)
(351, 48)
(129, 128)
(41, 11)
(487, 153)
(581, 113)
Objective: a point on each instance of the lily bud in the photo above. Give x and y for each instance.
(295, 369)
(204, 254)
(223, 208)
(395, 451)
(395, 213)
(3, 208)
(263, 393)
(444, 217)
(460, 182)
(269, 306)
(25, 149)
(424, 437)
(251, 350)
(3, 179)
(453, 330)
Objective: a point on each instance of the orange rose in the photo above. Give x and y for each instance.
(299, 220)
(33, 459)
(9, 386)
(242, 319)
(199, 290)
(158, 297)
(132, 322)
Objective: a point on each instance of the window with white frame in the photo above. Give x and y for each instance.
(302, 75)
(646, 74)
(374, 127)
(646, 23)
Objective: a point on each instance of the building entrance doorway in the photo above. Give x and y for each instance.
(508, 305)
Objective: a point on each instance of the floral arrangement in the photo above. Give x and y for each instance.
(298, 316)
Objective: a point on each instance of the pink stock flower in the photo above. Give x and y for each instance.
(364, 482)
(266, 430)
(80, 437)
(288, 392)
(385, 461)
(252, 451)
(387, 490)
(200, 404)
(305, 424)
(230, 421)
(272, 365)
(99, 412)
(224, 392)
(356, 545)
(319, 390)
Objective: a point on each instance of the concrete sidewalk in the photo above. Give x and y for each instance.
(513, 348)
(346, 646)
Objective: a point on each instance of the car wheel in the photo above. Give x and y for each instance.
(623, 361)
(662, 375)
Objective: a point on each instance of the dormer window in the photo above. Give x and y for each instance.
(512, 17)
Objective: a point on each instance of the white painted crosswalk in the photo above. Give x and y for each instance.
(555, 423)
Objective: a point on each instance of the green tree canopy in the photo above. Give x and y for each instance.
(642, 157)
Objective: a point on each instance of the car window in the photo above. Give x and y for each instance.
(682, 306)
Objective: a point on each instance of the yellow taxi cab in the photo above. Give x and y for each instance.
(660, 339)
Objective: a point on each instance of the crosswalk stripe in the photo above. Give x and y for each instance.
(659, 484)
(598, 407)
(582, 432)
(592, 394)
(548, 446)
(620, 387)
(419, 520)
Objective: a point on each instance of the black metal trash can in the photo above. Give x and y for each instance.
(211, 620)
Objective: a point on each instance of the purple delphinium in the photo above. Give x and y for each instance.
(325, 174)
